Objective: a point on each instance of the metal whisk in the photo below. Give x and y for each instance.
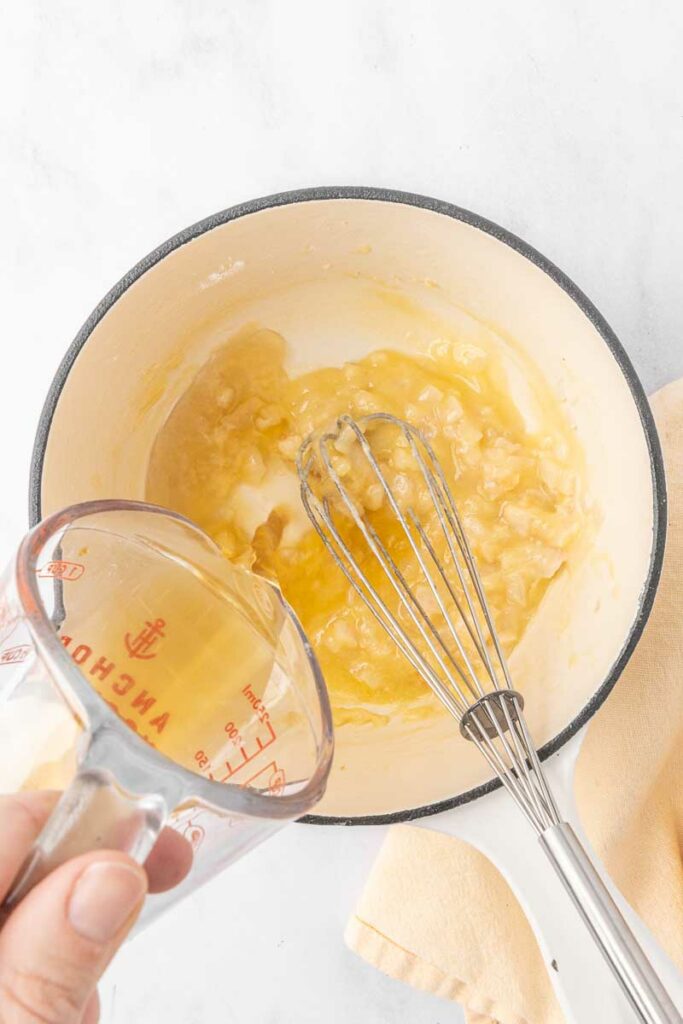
(444, 627)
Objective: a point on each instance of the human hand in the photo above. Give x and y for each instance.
(56, 943)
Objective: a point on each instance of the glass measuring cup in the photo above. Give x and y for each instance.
(155, 685)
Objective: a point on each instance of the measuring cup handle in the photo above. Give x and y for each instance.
(94, 813)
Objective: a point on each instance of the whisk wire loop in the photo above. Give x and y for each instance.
(481, 696)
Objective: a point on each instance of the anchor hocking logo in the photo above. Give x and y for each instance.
(144, 643)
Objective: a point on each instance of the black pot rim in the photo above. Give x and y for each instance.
(535, 257)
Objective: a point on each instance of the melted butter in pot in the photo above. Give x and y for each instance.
(226, 458)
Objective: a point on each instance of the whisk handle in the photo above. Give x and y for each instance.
(610, 931)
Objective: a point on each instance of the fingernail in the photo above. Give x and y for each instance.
(103, 899)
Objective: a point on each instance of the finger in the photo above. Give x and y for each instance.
(57, 942)
(92, 1010)
(169, 862)
(22, 816)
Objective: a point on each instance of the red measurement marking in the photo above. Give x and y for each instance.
(256, 703)
(187, 825)
(8, 621)
(13, 655)
(260, 742)
(140, 646)
(62, 571)
(271, 777)
(233, 733)
(194, 834)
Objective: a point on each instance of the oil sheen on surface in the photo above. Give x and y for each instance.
(226, 458)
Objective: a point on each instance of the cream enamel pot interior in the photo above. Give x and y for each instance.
(341, 271)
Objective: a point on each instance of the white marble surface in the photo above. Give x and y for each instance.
(123, 122)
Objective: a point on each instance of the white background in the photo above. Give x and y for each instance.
(122, 122)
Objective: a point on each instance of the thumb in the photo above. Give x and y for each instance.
(58, 941)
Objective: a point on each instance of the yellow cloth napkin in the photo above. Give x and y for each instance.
(457, 930)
